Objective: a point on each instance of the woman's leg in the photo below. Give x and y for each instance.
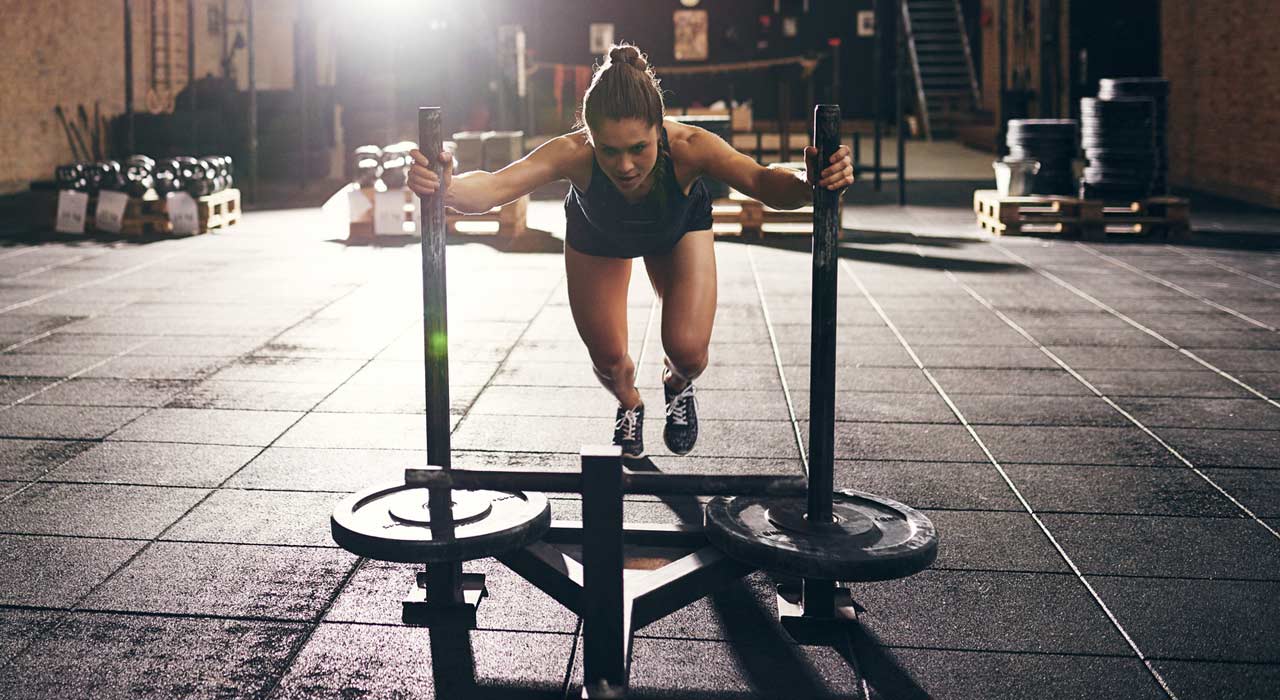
(598, 299)
(685, 280)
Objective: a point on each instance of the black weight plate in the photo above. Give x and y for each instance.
(389, 523)
(877, 539)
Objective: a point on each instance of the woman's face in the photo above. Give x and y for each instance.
(627, 150)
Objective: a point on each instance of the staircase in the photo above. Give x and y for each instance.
(945, 82)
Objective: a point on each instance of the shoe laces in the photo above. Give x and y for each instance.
(679, 405)
(627, 423)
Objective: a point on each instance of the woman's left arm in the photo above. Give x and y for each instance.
(777, 186)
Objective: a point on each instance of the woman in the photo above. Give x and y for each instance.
(636, 192)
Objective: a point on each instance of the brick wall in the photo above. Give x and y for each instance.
(1223, 61)
(71, 52)
(67, 52)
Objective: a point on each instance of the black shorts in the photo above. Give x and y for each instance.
(623, 242)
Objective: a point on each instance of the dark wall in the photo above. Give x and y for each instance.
(446, 53)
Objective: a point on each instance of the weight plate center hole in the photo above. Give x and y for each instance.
(411, 506)
(846, 521)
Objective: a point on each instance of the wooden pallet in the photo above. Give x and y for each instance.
(219, 210)
(511, 219)
(149, 216)
(740, 215)
(145, 216)
(1083, 218)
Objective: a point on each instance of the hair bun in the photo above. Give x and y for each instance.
(629, 55)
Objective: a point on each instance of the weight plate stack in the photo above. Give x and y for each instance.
(1157, 89)
(1052, 142)
(139, 175)
(1118, 136)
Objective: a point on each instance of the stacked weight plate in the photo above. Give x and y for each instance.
(1157, 89)
(1053, 142)
(1118, 136)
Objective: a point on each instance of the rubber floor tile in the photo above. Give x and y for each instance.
(22, 460)
(60, 343)
(1257, 489)
(57, 571)
(981, 409)
(1202, 413)
(893, 673)
(95, 510)
(115, 656)
(149, 393)
(1227, 448)
(259, 517)
(346, 660)
(18, 627)
(306, 370)
(154, 464)
(1119, 490)
(872, 407)
(929, 442)
(1084, 357)
(988, 611)
(873, 379)
(1193, 384)
(1070, 445)
(1197, 619)
(1009, 382)
(377, 589)
(391, 431)
(1207, 680)
(65, 422)
(158, 367)
(992, 541)
(1165, 546)
(764, 668)
(387, 398)
(323, 469)
(184, 578)
(950, 485)
(850, 352)
(212, 426)
(254, 396)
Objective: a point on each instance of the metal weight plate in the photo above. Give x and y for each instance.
(873, 539)
(391, 523)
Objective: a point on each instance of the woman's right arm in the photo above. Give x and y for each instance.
(478, 191)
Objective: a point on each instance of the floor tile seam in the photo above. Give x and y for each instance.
(166, 614)
(162, 539)
(402, 626)
(953, 569)
(1177, 288)
(49, 332)
(186, 250)
(311, 626)
(1015, 490)
(1102, 305)
(777, 358)
(1223, 266)
(1126, 414)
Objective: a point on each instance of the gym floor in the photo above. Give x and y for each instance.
(1093, 428)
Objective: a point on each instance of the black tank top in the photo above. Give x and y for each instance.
(600, 221)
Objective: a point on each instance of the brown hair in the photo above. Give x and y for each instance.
(623, 87)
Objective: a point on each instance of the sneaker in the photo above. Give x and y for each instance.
(628, 431)
(681, 431)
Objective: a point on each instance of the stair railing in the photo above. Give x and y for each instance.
(915, 66)
(968, 57)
